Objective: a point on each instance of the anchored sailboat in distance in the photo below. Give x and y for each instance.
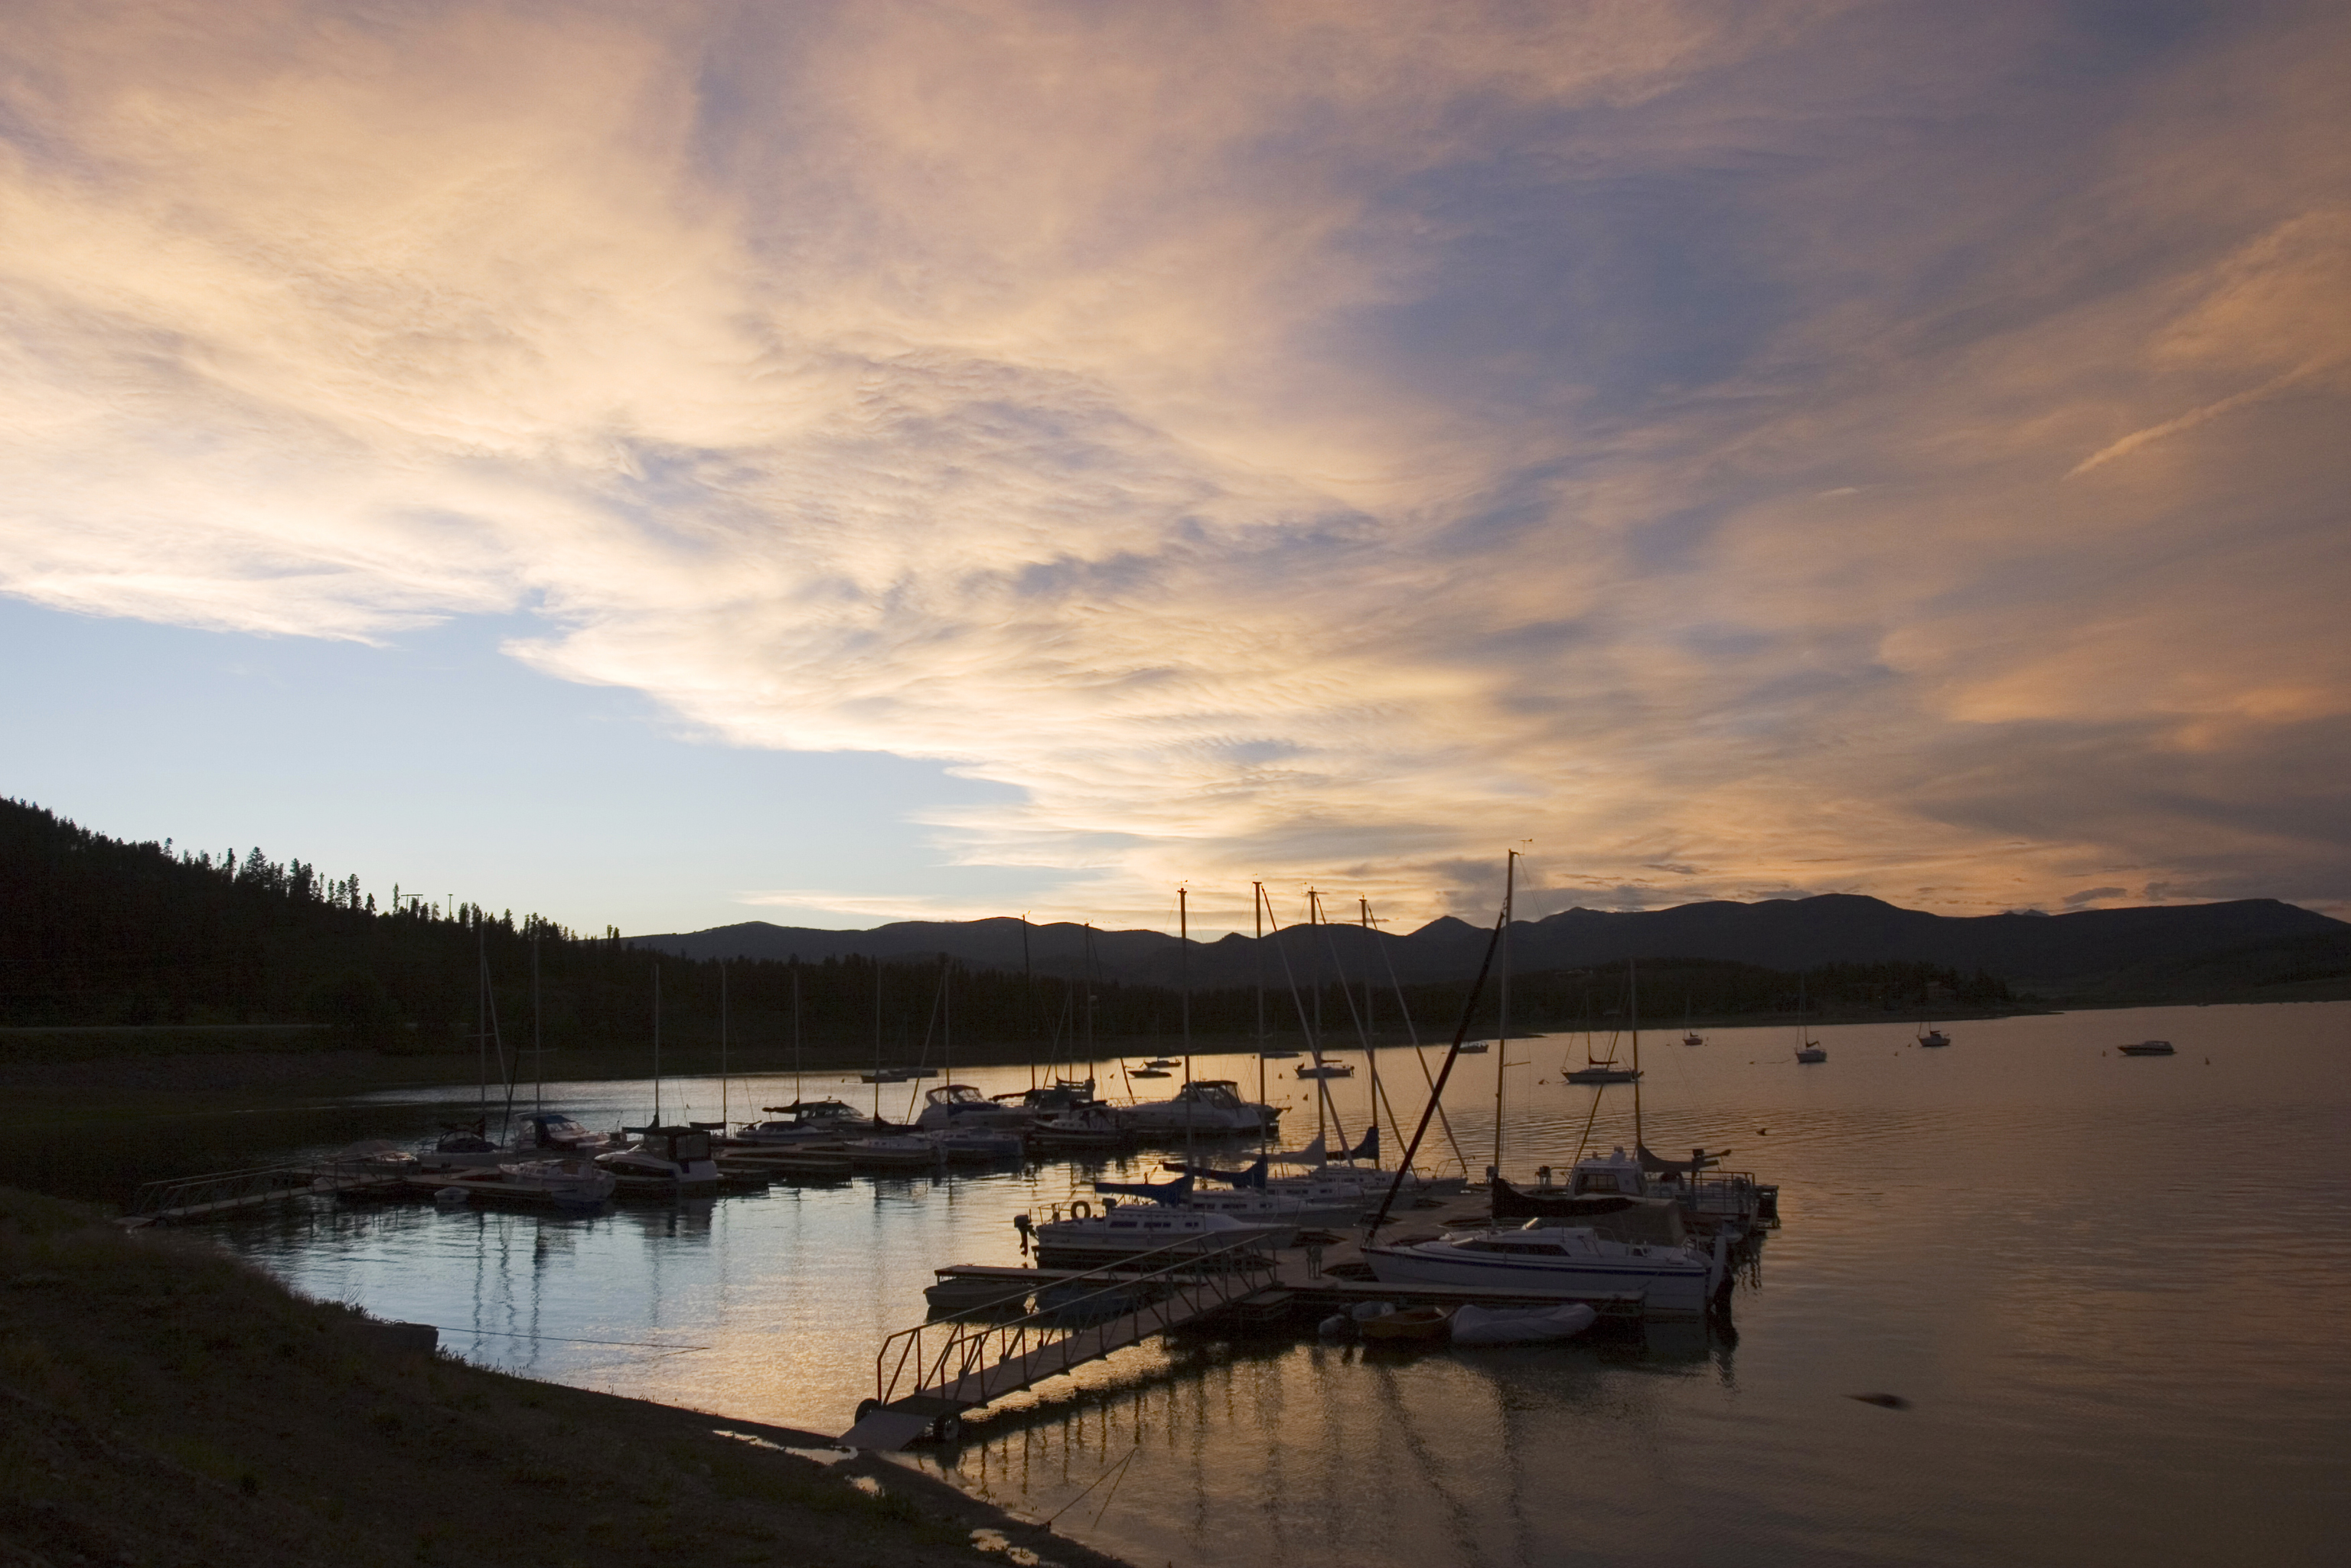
(1608, 1072)
(1808, 1050)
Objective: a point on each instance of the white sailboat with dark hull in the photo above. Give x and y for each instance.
(1565, 1261)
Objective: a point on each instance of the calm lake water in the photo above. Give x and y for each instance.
(2114, 1289)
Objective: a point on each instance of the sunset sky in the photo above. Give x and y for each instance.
(663, 464)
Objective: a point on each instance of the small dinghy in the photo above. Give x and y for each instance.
(1411, 1325)
(1520, 1325)
(2146, 1048)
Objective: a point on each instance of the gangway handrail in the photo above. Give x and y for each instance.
(966, 1350)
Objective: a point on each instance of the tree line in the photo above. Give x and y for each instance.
(98, 931)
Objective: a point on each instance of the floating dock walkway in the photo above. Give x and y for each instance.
(927, 1376)
(185, 1199)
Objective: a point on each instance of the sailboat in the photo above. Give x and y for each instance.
(1608, 1072)
(1689, 1035)
(1808, 1050)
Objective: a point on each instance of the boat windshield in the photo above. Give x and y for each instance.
(957, 1094)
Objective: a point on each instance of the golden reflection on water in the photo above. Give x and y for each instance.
(2110, 1289)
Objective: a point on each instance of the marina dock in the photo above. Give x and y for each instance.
(927, 1376)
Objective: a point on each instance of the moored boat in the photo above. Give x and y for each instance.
(578, 1183)
(2147, 1047)
(1520, 1325)
(1408, 1324)
(1125, 1230)
(1085, 1127)
(1203, 1105)
(665, 1161)
(959, 1105)
(1569, 1261)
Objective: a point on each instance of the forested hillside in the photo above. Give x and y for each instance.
(95, 931)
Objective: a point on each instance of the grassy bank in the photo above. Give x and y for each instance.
(163, 1405)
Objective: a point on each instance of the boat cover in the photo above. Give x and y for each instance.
(1656, 1165)
(1616, 1216)
(1150, 1191)
(1254, 1176)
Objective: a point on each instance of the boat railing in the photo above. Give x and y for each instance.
(1162, 1290)
(1733, 1193)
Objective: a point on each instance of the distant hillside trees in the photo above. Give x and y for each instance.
(95, 931)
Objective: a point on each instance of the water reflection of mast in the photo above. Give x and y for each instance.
(1458, 1515)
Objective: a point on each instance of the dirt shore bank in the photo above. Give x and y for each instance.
(163, 1405)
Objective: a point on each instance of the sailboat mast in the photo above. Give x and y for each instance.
(1371, 1047)
(481, 1024)
(657, 1011)
(1256, 952)
(538, 1047)
(1502, 1027)
(1322, 1084)
(1027, 1000)
(1633, 987)
(877, 1039)
(798, 1094)
(1184, 995)
(722, 1043)
(1183, 975)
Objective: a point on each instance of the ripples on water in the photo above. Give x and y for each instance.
(2114, 1290)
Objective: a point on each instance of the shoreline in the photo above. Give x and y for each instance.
(171, 1403)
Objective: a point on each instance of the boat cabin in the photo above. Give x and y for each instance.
(1616, 1175)
(1061, 1094)
(553, 1130)
(953, 1106)
(679, 1146)
(1219, 1093)
(1533, 1240)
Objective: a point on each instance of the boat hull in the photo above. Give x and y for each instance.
(1664, 1285)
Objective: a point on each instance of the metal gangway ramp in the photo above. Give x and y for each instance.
(926, 1376)
(179, 1199)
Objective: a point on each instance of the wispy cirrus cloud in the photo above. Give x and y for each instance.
(1743, 449)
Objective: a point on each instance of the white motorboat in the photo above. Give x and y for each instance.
(1124, 1231)
(1052, 1099)
(1520, 1325)
(1203, 1105)
(553, 1134)
(664, 1160)
(959, 1105)
(1085, 1127)
(977, 1146)
(895, 1151)
(578, 1183)
(1476, 1047)
(458, 1148)
(1539, 1260)
(804, 1122)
